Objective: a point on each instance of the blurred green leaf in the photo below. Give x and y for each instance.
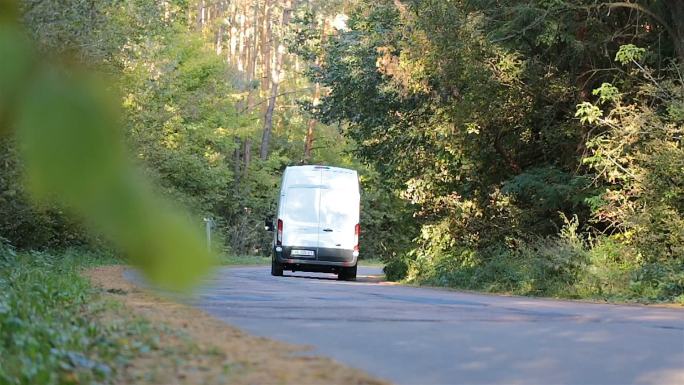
(14, 67)
(74, 155)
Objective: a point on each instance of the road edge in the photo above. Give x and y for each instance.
(261, 360)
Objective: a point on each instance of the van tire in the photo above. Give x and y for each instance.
(347, 274)
(276, 269)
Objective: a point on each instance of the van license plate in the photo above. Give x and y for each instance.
(305, 253)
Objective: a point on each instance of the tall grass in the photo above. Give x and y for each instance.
(563, 266)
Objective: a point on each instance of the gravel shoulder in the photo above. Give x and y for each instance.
(196, 348)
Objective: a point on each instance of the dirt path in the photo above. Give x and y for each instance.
(195, 348)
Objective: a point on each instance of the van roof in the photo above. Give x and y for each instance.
(311, 176)
(318, 167)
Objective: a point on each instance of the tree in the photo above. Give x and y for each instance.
(467, 109)
(276, 78)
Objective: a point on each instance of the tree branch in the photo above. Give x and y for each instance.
(642, 9)
(279, 95)
(512, 164)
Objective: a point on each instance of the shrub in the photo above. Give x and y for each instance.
(396, 269)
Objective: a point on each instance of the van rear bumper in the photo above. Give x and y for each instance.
(323, 256)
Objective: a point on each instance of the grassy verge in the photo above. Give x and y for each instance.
(371, 262)
(52, 324)
(56, 328)
(244, 260)
(66, 319)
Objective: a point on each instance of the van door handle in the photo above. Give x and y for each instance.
(328, 230)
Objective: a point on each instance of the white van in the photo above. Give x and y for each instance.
(317, 227)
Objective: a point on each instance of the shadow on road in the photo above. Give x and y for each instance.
(379, 278)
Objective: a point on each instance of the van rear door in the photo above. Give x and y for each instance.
(339, 209)
(301, 209)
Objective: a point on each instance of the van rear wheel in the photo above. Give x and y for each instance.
(276, 269)
(347, 274)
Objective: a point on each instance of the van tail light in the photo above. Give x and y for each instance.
(357, 232)
(279, 234)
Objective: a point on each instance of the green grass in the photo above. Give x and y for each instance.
(371, 262)
(52, 324)
(244, 260)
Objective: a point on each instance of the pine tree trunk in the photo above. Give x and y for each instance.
(201, 11)
(251, 74)
(242, 49)
(309, 139)
(266, 36)
(275, 82)
(221, 29)
(237, 161)
(232, 52)
(252, 59)
(308, 142)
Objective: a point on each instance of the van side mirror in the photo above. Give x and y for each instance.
(268, 224)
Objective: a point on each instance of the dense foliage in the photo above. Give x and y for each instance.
(191, 117)
(72, 155)
(528, 146)
(539, 142)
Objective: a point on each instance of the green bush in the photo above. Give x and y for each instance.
(396, 269)
(659, 282)
(548, 266)
(608, 273)
(25, 225)
(562, 266)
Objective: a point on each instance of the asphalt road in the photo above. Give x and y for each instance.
(426, 336)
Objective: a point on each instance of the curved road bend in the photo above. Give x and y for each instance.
(420, 336)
